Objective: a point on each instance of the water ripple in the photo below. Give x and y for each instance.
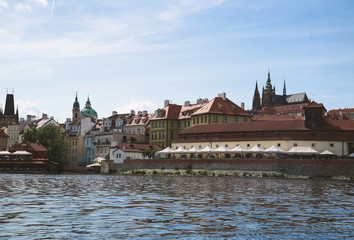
(162, 207)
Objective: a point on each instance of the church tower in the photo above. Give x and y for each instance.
(256, 99)
(268, 93)
(76, 109)
(284, 89)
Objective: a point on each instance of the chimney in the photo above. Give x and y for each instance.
(114, 113)
(187, 103)
(243, 105)
(44, 116)
(140, 113)
(29, 119)
(145, 113)
(199, 101)
(222, 95)
(167, 102)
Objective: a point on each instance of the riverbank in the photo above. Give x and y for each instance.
(228, 173)
(290, 168)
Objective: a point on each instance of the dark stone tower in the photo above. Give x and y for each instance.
(76, 109)
(284, 89)
(9, 116)
(256, 99)
(268, 93)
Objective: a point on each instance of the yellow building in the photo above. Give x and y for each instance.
(172, 119)
(316, 131)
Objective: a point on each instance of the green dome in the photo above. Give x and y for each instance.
(88, 111)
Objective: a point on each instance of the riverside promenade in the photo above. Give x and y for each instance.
(303, 167)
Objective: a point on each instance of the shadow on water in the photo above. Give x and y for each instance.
(95, 206)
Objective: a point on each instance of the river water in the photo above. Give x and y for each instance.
(171, 207)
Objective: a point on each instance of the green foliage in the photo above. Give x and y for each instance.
(147, 152)
(152, 153)
(175, 168)
(202, 173)
(188, 166)
(138, 172)
(106, 157)
(235, 174)
(50, 136)
(133, 140)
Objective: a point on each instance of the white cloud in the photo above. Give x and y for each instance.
(42, 3)
(20, 7)
(137, 106)
(3, 4)
(27, 108)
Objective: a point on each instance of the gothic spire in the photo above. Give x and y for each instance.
(284, 89)
(256, 99)
(268, 84)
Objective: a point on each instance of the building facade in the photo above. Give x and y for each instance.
(166, 123)
(315, 131)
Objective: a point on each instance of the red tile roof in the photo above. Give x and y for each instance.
(314, 105)
(292, 125)
(293, 108)
(220, 106)
(266, 117)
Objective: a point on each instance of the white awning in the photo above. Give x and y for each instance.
(207, 149)
(165, 151)
(222, 149)
(22, 153)
(179, 150)
(302, 150)
(256, 149)
(5, 153)
(192, 150)
(326, 152)
(239, 149)
(273, 149)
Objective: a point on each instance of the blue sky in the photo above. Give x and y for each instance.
(135, 54)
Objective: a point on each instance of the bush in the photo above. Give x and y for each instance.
(154, 172)
(265, 175)
(188, 166)
(235, 174)
(175, 168)
(202, 173)
(177, 173)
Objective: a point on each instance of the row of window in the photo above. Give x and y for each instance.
(258, 145)
(158, 135)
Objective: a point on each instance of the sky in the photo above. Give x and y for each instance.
(133, 55)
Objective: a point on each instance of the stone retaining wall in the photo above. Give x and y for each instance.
(286, 166)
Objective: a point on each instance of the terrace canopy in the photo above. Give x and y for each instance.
(207, 149)
(302, 151)
(256, 149)
(167, 150)
(222, 149)
(22, 153)
(239, 149)
(273, 149)
(326, 152)
(191, 151)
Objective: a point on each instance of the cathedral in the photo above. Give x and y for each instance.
(270, 99)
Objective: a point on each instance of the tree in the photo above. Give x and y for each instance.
(50, 136)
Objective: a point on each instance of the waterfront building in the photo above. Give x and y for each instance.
(27, 157)
(315, 131)
(75, 131)
(13, 131)
(136, 127)
(122, 151)
(166, 123)
(270, 99)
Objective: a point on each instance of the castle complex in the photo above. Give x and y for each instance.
(270, 99)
